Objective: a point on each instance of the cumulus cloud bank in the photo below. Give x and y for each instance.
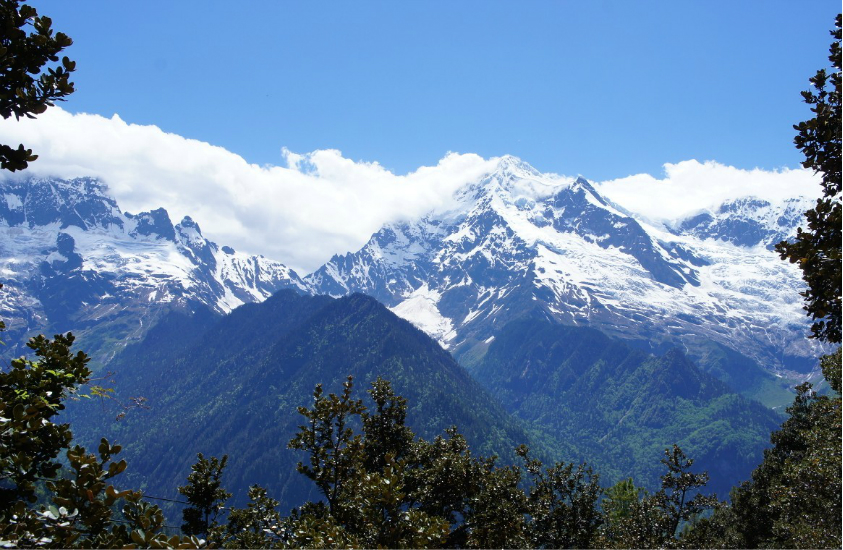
(322, 203)
(691, 186)
(319, 204)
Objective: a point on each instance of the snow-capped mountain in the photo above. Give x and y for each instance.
(521, 241)
(747, 222)
(513, 243)
(70, 259)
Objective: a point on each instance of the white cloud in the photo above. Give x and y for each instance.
(322, 203)
(319, 205)
(691, 186)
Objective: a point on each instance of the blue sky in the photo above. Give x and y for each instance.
(297, 129)
(599, 88)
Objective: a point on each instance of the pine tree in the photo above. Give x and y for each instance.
(206, 496)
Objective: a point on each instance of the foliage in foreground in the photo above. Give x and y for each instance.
(817, 250)
(793, 499)
(386, 488)
(28, 84)
(382, 487)
(82, 509)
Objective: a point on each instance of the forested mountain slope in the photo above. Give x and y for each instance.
(232, 387)
(235, 389)
(621, 407)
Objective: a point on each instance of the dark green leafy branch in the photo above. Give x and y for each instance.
(80, 506)
(817, 250)
(28, 83)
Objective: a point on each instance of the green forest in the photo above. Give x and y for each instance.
(379, 485)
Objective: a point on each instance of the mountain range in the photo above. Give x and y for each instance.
(544, 314)
(513, 241)
(70, 259)
(710, 283)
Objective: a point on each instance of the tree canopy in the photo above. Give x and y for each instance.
(54, 493)
(817, 250)
(29, 82)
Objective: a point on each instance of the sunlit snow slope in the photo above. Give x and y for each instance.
(520, 241)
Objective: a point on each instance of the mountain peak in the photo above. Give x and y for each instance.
(511, 166)
(79, 202)
(747, 221)
(154, 222)
(516, 239)
(188, 223)
(511, 180)
(583, 185)
(72, 260)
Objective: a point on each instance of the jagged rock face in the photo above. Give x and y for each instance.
(519, 241)
(70, 260)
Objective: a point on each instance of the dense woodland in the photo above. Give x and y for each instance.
(374, 481)
(235, 383)
(382, 486)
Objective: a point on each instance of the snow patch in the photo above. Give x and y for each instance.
(420, 308)
(13, 201)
